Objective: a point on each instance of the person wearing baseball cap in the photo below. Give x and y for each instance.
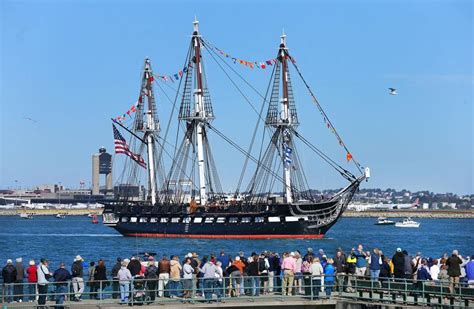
(77, 271)
(61, 277)
(398, 261)
(43, 279)
(9, 277)
(20, 276)
(32, 275)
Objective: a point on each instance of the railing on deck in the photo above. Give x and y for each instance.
(242, 288)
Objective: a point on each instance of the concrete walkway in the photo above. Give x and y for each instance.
(273, 301)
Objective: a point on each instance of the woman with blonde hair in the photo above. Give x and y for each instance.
(317, 272)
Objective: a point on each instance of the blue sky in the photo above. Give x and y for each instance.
(72, 65)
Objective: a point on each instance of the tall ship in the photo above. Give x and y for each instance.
(186, 200)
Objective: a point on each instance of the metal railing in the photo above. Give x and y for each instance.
(339, 287)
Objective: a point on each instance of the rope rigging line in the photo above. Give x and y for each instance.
(232, 81)
(254, 136)
(345, 173)
(174, 102)
(206, 42)
(212, 49)
(315, 100)
(232, 143)
(173, 159)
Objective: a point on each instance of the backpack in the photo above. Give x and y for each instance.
(75, 270)
(262, 266)
(194, 265)
(151, 272)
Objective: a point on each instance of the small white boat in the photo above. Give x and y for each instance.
(408, 222)
(384, 221)
(60, 216)
(25, 215)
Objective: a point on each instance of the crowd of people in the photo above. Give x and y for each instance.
(223, 275)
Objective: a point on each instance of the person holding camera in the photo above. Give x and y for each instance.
(43, 279)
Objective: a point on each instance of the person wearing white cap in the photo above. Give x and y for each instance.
(188, 272)
(20, 276)
(77, 271)
(398, 261)
(32, 280)
(9, 277)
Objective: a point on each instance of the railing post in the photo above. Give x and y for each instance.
(406, 291)
(132, 290)
(423, 292)
(68, 294)
(440, 298)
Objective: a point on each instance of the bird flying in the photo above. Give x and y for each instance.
(392, 91)
(30, 119)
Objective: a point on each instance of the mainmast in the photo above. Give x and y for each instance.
(200, 111)
(149, 126)
(193, 163)
(285, 120)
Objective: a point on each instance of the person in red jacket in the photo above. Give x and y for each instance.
(32, 280)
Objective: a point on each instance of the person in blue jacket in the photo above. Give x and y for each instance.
(470, 271)
(423, 273)
(61, 277)
(329, 274)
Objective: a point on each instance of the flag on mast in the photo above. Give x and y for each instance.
(287, 153)
(122, 147)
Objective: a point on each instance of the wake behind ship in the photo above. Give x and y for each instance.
(187, 201)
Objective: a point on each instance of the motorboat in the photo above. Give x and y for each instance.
(408, 222)
(61, 216)
(384, 221)
(25, 215)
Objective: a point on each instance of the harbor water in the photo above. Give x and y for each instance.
(60, 240)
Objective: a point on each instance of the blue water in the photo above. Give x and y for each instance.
(60, 240)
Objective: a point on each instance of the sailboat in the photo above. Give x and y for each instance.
(188, 201)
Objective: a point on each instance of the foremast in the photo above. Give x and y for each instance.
(148, 123)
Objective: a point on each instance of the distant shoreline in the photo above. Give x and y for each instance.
(51, 212)
(417, 213)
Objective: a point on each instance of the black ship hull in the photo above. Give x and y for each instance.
(250, 230)
(238, 221)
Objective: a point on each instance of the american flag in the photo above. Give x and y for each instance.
(122, 147)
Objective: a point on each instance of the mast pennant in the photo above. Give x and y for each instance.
(122, 147)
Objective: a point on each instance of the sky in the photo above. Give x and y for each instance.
(70, 66)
